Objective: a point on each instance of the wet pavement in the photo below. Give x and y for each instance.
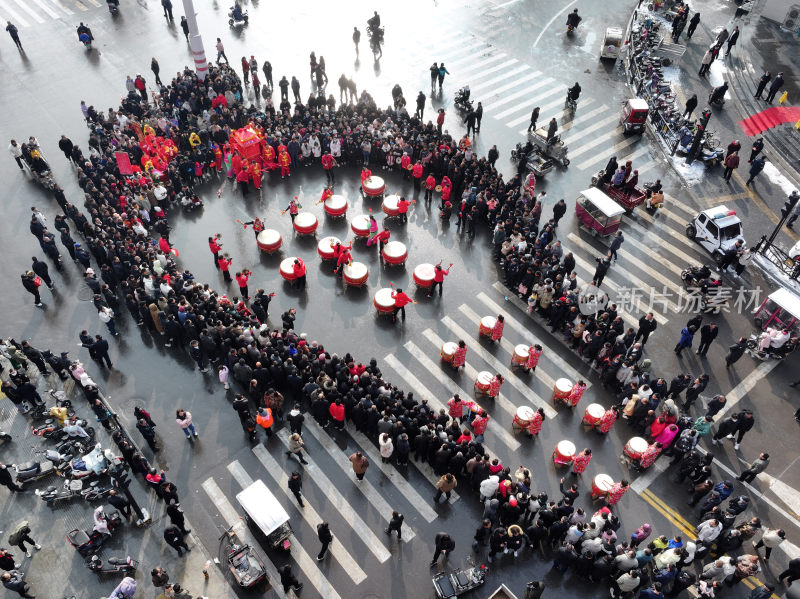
(515, 50)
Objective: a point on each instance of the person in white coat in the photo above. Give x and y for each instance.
(387, 447)
(771, 538)
(708, 531)
(489, 487)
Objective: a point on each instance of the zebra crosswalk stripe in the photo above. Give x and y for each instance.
(526, 117)
(46, 9)
(342, 505)
(494, 69)
(655, 236)
(340, 458)
(312, 518)
(494, 427)
(499, 90)
(24, 6)
(6, 11)
(503, 369)
(501, 77)
(612, 151)
(582, 117)
(518, 94)
(476, 65)
(574, 137)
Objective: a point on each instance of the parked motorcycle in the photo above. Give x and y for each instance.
(112, 565)
(462, 101)
(459, 581)
(237, 18)
(710, 156)
(93, 491)
(693, 275)
(89, 542)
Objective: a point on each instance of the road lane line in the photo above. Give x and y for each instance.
(610, 151)
(519, 94)
(571, 139)
(583, 116)
(501, 77)
(745, 385)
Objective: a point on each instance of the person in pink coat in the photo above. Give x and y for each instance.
(577, 392)
(667, 435)
(497, 330)
(534, 353)
(460, 357)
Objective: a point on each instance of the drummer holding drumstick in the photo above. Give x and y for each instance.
(401, 300)
(581, 461)
(439, 274)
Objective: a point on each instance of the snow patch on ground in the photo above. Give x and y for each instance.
(671, 73)
(776, 275)
(716, 74)
(693, 173)
(775, 176)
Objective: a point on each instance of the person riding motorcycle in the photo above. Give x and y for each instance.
(718, 93)
(84, 29)
(374, 22)
(112, 5)
(462, 95)
(574, 93)
(573, 19)
(773, 339)
(237, 12)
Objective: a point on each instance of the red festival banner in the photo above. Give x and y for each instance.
(124, 163)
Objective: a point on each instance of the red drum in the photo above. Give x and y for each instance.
(360, 225)
(383, 300)
(423, 275)
(593, 414)
(563, 453)
(325, 247)
(305, 223)
(287, 268)
(523, 417)
(269, 240)
(448, 351)
(601, 485)
(561, 390)
(484, 381)
(335, 206)
(635, 447)
(521, 353)
(390, 205)
(395, 253)
(486, 325)
(355, 274)
(373, 186)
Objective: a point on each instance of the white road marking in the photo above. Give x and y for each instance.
(519, 94)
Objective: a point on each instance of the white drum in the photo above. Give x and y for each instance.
(390, 205)
(360, 225)
(521, 353)
(424, 274)
(638, 444)
(395, 252)
(305, 223)
(355, 274)
(383, 300)
(483, 381)
(287, 268)
(325, 247)
(488, 322)
(336, 205)
(268, 240)
(524, 414)
(448, 350)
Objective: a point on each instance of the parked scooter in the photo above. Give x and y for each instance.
(94, 491)
(462, 101)
(237, 16)
(112, 565)
(89, 542)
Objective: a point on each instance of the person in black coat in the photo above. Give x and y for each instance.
(443, 545)
(176, 516)
(647, 325)
(325, 537)
(774, 87)
(288, 579)
(40, 268)
(100, 349)
(693, 23)
(174, 538)
(691, 104)
(396, 523)
(31, 287)
(708, 333)
(121, 503)
(735, 352)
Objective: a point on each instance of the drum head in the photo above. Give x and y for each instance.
(595, 410)
(522, 350)
(638, 444)
(360, 222)
(424, 272)
(336, 202)
(566, 448)
(603, 481)
(391, 201)
(488, 321)
(325, 245)
(449, 348)
(305, 219)
(355, 271)
(268, 237)
(383, 297)
(287, 265)
(525, 413)
(394, 249)
(485, 377)
(564, 385)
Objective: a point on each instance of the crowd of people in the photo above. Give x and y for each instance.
(125, 229)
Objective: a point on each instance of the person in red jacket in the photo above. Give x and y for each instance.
(401, 300)
(416, 172)
(439, 274)
(241, 280)
(337, 413)
(343, 258)
(430, 185)
(215, 246)
(382, 238)
(299, 270)
(405, 164)
(284, 160)
(255, 172)
(327, 164)
(242, 177)
(402, 208)
(224, 264)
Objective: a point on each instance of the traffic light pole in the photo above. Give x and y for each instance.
(788, 206)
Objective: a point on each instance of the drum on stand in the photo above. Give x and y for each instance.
(373, 186)
(523, 417)
(355, 274)
(563, 453)
(601, 485)
(395, 253)
(287, 268)
(335, 206)
(325, 247)
(635, 447)
(448, 351)
(390, 205)
(423, 275)
(561, 390)
(593, 414)
(269, 240)
(521, 354)
(360, 225)
(486, 325)
(305, 223)
(484, 381)
(383, 300)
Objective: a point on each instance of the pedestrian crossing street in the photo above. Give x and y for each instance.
(25, 13)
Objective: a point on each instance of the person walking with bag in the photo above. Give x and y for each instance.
(20, 535)
(296, 447)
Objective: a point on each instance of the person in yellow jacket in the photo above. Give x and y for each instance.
(194, 139)
(264, 420)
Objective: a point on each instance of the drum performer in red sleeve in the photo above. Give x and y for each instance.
(401, 300)
(439, 274)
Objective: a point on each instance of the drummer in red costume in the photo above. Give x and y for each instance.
(382, 238)
(224, 265)
(447, 189)
(242, 177)
(649, 456)
(299, 271)
(255, 171)
(439, 274)
(327, 164)
(456, 407)
(494, 386)
(401, 300)
(460, 357)
(581, 461)
(343, 258)
(326, 193)
(365, 174)
(575, 395)
(479, 424)
(217, 158)
(258, 225)
(215, 245)
(534, 353)
(285, 162)
(293, 208)
(535, 425)
(430, 185)
(402, 208)
(241, 279)
(416, 172)
(497, 329)
(616, 492)
(405, 162)
(608, 420)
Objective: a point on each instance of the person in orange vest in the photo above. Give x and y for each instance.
(402, 208)
(264, 420)
(405, 163)
(416, 172)
(299, 271)
(284, 161)
(225, 264)
(439, 274)
(242, 177)
(382, 238)
(327, 164)
(241, 279)
(430, 185)
(401, 300)
(256, 172)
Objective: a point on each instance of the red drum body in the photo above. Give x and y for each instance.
(486, 325)
(269, 240)
(373, 186)
(593, 414)
(355, 274)
(423, 275)
(360, 225)
(383, 301)
(390, 205)
(287, 268)
(395, 253)
(448, 351)
(484, 381)
(563, 453)
(305, 223)
(336, 206)
(561, 390)
(635, 447)
(325, 247)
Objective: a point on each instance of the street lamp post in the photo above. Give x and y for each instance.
(195, 40)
